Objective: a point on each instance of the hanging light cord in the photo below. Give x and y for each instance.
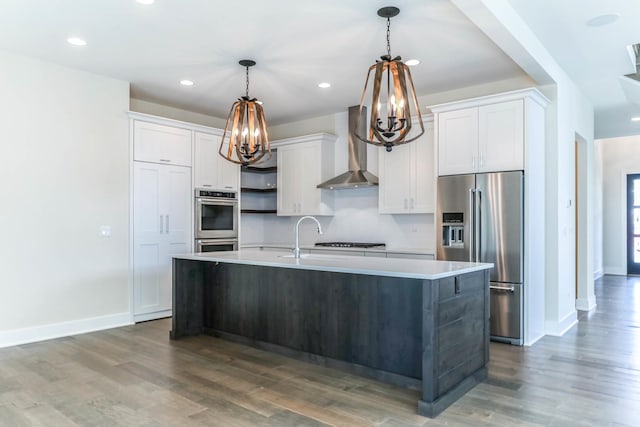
(388, 36)
(247, 89)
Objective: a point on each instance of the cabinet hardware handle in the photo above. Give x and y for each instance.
(206, 185)
(406, 203)
(473, 161)
(167, 223)
(165, 160)
(228, 186)
(161, 224)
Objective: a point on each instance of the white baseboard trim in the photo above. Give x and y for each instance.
(586, 304)
(559, 328)
(63, 329)
(152, 316)
(598, 274)
(531, 341)
(618, 271)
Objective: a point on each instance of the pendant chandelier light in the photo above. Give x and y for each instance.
(245, 130)
(390, 123)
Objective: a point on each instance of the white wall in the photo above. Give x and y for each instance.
(598, 212)
(620, 156)
(65, 172)
(148, 107)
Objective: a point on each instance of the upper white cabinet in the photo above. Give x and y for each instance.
(211, 170)
(158, 143)
(457, 141)
(501, 136)
(483, 138)
(303, 163)
(407, 177)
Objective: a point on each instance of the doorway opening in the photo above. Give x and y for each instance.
(633, 224)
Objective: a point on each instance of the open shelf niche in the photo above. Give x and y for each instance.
(258, 187)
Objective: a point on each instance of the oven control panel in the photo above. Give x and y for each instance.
(216, 194)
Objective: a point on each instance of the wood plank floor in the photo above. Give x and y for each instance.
(136, 376)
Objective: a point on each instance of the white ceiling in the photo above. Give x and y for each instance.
(596, 58)
(299, 43)
(296, 43)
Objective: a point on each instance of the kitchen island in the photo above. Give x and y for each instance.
(416, 323)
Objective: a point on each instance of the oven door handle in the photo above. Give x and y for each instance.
(211, 201)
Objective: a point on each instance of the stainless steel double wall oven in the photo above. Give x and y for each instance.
(216, 221)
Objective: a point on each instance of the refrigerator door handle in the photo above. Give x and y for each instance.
(478, 222)
(503, 288)
(472, 223)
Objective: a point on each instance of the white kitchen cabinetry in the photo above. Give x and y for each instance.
(407, 177)
(158, 143)
(161, 227)
(486, 138)
(303, 163)
(211, 170)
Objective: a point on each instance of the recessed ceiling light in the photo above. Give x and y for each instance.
(324, 85)
(635, 119)
(146, 2)
(186, 82)
(412, 62)
(76, 41)
(602, 20)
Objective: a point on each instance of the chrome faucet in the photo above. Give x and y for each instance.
(296, 250)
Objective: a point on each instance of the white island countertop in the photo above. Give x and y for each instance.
(405, 268)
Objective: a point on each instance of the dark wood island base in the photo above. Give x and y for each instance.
(432, 335)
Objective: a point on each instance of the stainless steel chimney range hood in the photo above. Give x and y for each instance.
(357, 176)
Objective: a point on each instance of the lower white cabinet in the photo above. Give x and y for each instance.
(162, 227)
(407, 176)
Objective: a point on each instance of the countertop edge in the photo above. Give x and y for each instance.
(276, 260)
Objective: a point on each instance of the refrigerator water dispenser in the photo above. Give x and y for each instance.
(453, 229)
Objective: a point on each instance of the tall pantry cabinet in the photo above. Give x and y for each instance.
(161, 213)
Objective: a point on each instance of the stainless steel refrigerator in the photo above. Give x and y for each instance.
(480, 217)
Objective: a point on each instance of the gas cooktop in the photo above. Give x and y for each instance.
(350, 245)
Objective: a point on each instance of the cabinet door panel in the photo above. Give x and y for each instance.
(288, 186)
(309, 160)
(501, 136)
(162, 227)
(213, 171)
(458, 141)
(424, 182)
(149, 276)
(205, 159)
(395, 178)
(161, 144)
(146, 202)
(176, 204)
(228, 173)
